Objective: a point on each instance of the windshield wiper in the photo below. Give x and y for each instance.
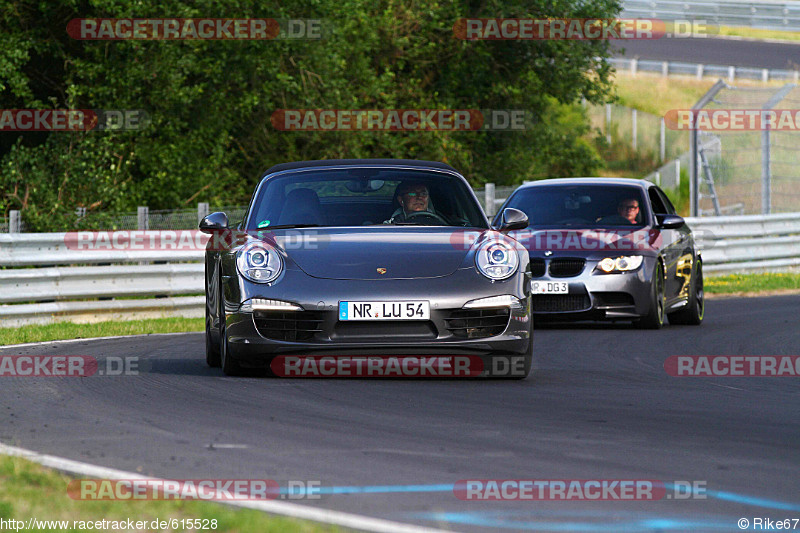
(289, 226)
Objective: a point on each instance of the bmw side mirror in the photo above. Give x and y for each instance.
(213, 223)
(512, 219)
(669, 221)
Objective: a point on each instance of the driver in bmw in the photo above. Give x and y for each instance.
(413, 198)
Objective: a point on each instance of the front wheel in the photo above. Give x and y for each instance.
(692, 313)
(229, 365)
(654, 318)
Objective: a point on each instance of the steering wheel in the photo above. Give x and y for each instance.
(426, 215)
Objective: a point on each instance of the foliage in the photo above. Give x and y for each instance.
(210, 102)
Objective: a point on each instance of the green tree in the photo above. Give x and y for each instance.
(210, 102)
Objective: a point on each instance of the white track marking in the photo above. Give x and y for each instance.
(293, 510)
(44, 343)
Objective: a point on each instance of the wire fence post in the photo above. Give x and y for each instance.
(202, 211)
(766, 172)
(489, 199)
(14, 222)
(143, 218)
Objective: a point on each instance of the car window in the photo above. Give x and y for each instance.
(364, 196)
(665, 199)
(580, 205)
(655, 199)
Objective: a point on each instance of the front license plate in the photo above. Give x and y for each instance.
(549, 287)
(408, 310)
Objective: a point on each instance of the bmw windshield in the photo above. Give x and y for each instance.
(586, 206)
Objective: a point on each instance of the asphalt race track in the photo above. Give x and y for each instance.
(599, 407)
(711, 51)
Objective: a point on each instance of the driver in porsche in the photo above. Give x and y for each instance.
(413, 198)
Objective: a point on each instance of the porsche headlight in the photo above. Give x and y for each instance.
(497, 260)
(259, 262)
(625, 263)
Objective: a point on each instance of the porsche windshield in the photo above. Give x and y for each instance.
(364, 197)
(581, 205)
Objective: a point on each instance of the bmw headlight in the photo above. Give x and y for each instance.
(259, 262)
(625, 263)
(497, 260)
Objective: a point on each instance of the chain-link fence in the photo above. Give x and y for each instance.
(746, 144)
(630, 133)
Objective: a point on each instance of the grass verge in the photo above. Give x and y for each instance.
(28, 490)
(756, 33)
(70, 330)
(752, 283)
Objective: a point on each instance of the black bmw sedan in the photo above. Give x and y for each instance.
(360, 257)
(609, 249)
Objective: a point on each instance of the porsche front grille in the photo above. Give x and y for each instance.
(478, 323)
(289, 326)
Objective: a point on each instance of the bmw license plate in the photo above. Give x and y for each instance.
(549, 287)
(407, 310)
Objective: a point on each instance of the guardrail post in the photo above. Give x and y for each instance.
(766, 172)
(665, 68)
(658, 178)
(14, 222)
(143, 218)
(731, 74)
(677, 173)
(700, 69)
(608, 123)
(797, 76)
(663, 142)
(634, 66)
(634, 129)
(765, 74)
(489, 199)
(202, 211)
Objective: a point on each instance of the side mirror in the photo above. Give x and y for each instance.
(213, 223)
(669, 221)
(512, 219)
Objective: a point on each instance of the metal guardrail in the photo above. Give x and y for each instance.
(700, 70)
(81, 293)
(756, 14)
(748, 243)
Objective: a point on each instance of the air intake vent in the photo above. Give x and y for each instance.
(560, 303)
(291, 326)
(478, 323)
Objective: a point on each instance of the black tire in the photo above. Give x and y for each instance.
(692, 314)
(229, 365)
(212, 348)
(654, 318)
